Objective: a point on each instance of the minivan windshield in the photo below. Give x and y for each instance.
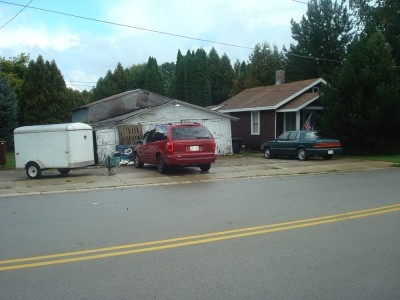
(190, 133)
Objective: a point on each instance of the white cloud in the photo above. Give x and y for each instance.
(41, 37)
(85, 50)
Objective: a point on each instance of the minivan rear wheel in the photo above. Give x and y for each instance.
(205, 167)
(161, 166)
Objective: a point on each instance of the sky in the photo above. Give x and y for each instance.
(86, 38)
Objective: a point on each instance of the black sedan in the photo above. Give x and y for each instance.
(301, 144)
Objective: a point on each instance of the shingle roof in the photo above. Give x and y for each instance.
(269, 97)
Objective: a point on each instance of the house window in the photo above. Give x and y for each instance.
(290, 121)
(255, 122)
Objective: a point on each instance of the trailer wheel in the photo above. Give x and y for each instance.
(64, 171)
(33, 170)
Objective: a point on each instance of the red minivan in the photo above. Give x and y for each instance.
(180, 144)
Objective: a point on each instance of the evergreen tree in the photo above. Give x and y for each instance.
(322, 37)
(167, 73)
(120, 80)
(199, 79)
(362, 102)
(136, 75)
(264, 62)
(240, 71)
(383, 16)
(8, 111)
(177, 87)
(216, 76)
(228, 76)
(43, 98)
(153, 82)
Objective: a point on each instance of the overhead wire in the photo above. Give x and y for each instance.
(128, 26)
(25, 6)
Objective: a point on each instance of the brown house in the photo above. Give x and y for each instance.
(265, 112)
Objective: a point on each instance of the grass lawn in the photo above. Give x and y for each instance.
(388, 158)
(10, 164)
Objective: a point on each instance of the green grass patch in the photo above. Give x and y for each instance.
(389, 158)
(10, 160)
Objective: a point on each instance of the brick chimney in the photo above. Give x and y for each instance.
(279, 77)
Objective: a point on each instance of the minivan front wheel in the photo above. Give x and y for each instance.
(138, 164)
(161, 166)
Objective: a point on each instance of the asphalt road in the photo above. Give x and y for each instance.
(321, 236)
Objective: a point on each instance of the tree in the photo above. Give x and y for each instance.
(43, 98)
(198, 79)
(263, 63)
(221, 76)
(14, 69)
(362, 102)
(383, 16)
(322, 38)
(240, 72)
(8, 111)
(153, 81)
(228, 76)
(167, 73)
(178, 84)
(136, 76)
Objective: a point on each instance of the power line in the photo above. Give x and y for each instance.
(128, 26)
(16, 15)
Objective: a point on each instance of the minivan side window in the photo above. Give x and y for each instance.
(160, 133)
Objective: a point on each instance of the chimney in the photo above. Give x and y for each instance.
(279, 77)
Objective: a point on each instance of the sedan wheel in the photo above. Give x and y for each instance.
(267, 153)
(302, 154)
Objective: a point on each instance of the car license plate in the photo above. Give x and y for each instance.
(194, 148)
(330, 151)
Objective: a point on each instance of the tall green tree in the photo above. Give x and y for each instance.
(153, 81)
(241, 73)
(14, 69)
(362, 102)
(382, 16)
(8, 111)
(228, 76)
(322, 37)
(177, 87)
(221, 76)
(42, 99)
(264, 61)
(199, 78)
(167, 73)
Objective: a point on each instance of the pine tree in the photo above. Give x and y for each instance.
(362, 101)
(42, 99)
(322, 37)
(153, 81)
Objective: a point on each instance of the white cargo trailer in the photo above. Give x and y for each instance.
(53, 146)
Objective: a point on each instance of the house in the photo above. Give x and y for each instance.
(265, 112)
(121, 119)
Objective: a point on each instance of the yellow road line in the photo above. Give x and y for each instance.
(84, 255)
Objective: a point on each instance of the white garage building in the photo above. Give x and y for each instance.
(123, 118)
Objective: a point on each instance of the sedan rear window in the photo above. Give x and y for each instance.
(190, 133)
